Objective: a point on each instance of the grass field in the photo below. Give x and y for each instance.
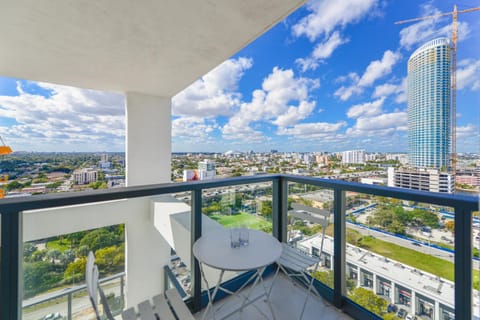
(60, 245)
(243, 219)
(416, 259)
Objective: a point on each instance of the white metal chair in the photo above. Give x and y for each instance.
(168, 306)
(91, 278)
(295, 262)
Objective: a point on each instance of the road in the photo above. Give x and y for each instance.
(81, 307)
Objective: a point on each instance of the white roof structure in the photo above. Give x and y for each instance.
(146, 46)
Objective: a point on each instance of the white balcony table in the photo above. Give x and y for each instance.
(213, 250)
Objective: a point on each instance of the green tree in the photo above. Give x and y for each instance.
(110, 259)
(53, 254)
(75, 271)
(68, 256)
(39, 277)
(369, 300)
(266, 210)
(99, 238)
(28, 251)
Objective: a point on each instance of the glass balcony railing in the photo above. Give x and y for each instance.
(387, 252)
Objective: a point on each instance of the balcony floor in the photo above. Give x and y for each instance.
(287, 301)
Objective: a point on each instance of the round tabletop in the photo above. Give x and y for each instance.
(213, 249)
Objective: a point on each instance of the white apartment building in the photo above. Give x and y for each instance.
(416, 291)
(85, 176)
(431, 180)
(206, 169)
(353, 156)
(401, 157)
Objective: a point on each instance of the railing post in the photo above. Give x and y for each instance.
(339, 247)
(122, 289)
(463, 263)
(196, 233)
(69, 306)
(280, 208)
(11, 244)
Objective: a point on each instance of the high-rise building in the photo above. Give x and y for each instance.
(429, 99)
(353, 156)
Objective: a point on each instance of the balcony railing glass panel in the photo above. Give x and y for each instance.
(304, 230)
(53, 266)
(400, 257)
(245, 205)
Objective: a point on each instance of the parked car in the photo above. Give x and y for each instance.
(392, 308)
(53, 316)
(401, 313)
(411, 317)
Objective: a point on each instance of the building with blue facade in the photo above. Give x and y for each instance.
(429, 100)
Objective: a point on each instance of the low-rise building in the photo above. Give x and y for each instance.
(419, 292)
(432, 180)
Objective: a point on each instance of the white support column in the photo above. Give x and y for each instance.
(148, 161)
(413, 303)
(148, 139)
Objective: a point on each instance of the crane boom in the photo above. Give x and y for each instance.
(454, 15)
(436, 16)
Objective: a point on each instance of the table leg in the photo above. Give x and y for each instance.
(211, 297)
(267, 293)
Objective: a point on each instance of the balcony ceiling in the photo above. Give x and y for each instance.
(154, 47)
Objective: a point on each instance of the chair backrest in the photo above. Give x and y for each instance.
(93, 288)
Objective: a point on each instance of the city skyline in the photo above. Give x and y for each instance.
(327, 78)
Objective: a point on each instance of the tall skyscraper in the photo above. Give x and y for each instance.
(429, 100)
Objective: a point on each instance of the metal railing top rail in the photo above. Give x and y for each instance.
(74, 198)
(469, 203)
(55, 295)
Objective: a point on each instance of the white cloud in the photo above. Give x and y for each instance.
(312, 130)
(327, 15)
(466, 131)
(215, 93)
(374, 71)
(468, 74)
(322, 51)
(283, 100)
(379, 126)
(64, 117)
(344, 93)
(387, 89)
(379, 68)
(192, 127)
(295, 114)
(367, 109)
(425, 30)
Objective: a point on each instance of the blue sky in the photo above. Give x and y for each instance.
(330, 77)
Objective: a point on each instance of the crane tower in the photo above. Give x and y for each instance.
(454, 15)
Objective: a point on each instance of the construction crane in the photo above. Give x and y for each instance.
(454, 15)
(4, 150)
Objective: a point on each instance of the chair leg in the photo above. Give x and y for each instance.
(273, 281)
(310, 287)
